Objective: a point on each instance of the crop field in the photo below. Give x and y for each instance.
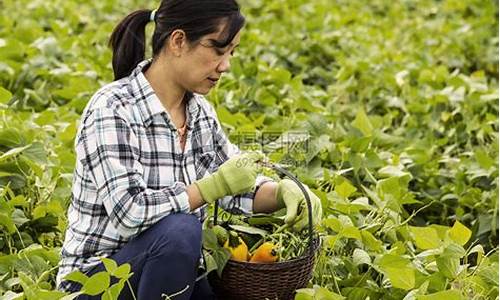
(387, 110)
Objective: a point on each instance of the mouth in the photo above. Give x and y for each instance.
(213, 81)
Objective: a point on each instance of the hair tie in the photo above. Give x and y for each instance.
(152, 16)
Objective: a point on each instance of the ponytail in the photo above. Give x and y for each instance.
(196, 17)
(128, 42)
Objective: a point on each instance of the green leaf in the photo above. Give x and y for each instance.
(441, 230)
(13, 152)
(5, 95)
(249, 230)
(69, 133)
(331, 240)
(483, 159)
(114, 291)
(263, 219)
(449, 266)
(26, 282)
(448, 295)
(459, 233)
(351, 232)
(19, 200)
(304, 294)
(437, 282)
(425, 237)
(317, 293)
(398, 248)
(123, 271)
(401, 278)
(210, 262)
(10, 295)
(280, 75)
(226, 117)
(36, 153)
(18, 217)
(11, 138)
(399, 271)
(7, 262)
(394, 261)
(221, 256)
(77, 276)
(345, 189)
(370, 241)
(394, 191)
(5, 174)
(360, 256)
(454, 250)
(333, 223)
(322, 293)
(96, 284)
(362, 123)
(7, 223)
(361, 144)
(393, 171)
(489, 274)
(48, 295)
(109, 264)
(210, 240)
(360, 293)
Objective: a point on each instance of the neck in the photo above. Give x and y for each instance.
(167, 90)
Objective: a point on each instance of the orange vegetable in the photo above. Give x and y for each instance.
(237, 247)
(266, 253)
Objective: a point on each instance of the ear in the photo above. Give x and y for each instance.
(177, 41)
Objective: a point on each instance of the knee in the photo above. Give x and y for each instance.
(183, 231)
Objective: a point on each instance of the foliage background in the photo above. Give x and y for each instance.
(399, 101)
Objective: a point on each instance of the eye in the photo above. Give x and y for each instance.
(219, 52)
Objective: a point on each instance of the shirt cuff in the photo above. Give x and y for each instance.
(179, 201)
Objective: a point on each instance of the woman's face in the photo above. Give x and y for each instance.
(199, 68)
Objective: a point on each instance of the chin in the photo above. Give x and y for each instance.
(203, 91)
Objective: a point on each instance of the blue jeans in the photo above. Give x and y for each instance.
(164, 259)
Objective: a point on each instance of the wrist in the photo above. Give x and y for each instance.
(211, 187)
(194, 197)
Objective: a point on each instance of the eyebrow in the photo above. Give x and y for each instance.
(215, 41)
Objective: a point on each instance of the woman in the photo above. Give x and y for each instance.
(151, 154)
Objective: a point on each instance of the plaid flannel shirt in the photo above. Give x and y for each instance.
(131, 172)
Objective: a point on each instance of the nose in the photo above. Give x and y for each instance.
(224, 65)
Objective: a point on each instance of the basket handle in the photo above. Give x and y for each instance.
(284, 172)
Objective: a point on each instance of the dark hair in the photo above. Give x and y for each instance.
(195, 17)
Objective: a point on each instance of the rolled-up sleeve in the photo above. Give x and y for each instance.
(109, 149)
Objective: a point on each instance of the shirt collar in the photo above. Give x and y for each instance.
(150, 105)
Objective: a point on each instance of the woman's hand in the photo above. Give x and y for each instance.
(289, 195)
(236, 176)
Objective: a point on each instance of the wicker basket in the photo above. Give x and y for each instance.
(274, 281)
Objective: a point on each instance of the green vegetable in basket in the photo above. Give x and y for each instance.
(221, 233)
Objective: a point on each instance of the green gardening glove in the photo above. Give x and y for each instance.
(289, 195)
(236, 176)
